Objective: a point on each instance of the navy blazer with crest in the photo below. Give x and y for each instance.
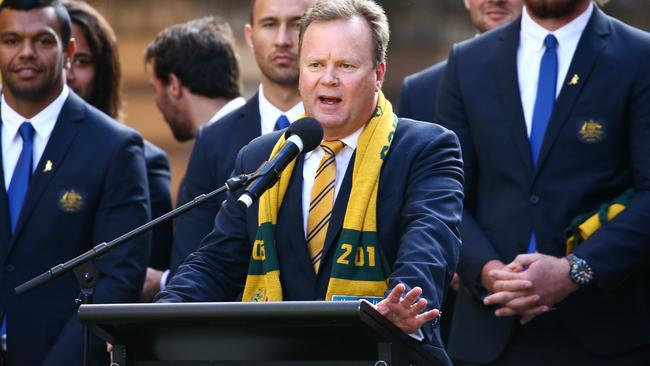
(596, 146)
(210, 165)
(418, 209)
(90, 186)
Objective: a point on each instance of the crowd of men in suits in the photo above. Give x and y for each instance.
(549, 105)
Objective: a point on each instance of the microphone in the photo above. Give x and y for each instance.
(304, 134)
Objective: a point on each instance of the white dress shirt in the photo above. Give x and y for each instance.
(269, 113)
(227, 108)
(530, 52)
(12, 143)
(312, 161)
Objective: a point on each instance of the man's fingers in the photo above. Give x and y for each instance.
(521, 304)
(503, 297)
(428, 316)
(527, 259)
(501, 275)
(418, 307)
(533, 313)
(411, 297)
(512, 285)
(396, 294)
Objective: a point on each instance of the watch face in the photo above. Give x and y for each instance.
(581, 272)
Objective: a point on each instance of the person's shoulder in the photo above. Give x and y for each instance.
(224, 126)
(154, 154)
(100, 126)
(427, 76)
(488, 40)
(630, 37)
(414, 133)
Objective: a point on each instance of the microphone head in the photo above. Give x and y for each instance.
(309, 130)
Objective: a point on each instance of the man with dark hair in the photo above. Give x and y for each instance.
(195, 74)
(191, 94)
(370, 214)
(95, 75)
(272, 35)
(72, 177)
(553, 114)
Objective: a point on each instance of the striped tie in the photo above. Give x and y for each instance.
(322, 201)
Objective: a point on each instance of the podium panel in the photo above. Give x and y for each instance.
(269, 334)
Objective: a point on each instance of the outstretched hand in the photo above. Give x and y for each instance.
(406, 312)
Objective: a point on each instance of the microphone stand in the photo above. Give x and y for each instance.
(87, 274)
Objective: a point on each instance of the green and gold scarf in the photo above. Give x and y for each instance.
(359, 269)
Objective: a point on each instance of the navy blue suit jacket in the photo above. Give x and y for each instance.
(419, 205)
(159, 177)
(507, 198)
(212, 161)
(420, 92)
(100, 164)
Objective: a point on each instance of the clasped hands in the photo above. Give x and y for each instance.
(528, 287)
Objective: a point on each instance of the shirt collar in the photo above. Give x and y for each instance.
(268, 110)
(349, 141)
(569, 33)
(43, 122)
(227, 108)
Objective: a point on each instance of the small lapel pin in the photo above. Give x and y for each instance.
(574, 80)
(48, 166)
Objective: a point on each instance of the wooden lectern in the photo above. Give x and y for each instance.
(262, 334)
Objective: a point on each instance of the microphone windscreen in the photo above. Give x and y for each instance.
(309, 130)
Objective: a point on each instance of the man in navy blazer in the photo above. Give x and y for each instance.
(420, 90)
(86, 184)
(213, 157)
(419, 191)
(595, 147)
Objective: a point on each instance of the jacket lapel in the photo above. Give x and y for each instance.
(291, 212)
(509, 92)
(249, 116)
(60, 140)
(592, 42)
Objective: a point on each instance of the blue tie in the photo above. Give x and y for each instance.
(545, 99)
(18, 190)
(544, 102)
(281, 123)
(22, 174)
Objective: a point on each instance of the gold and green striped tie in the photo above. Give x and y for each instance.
(322, 201)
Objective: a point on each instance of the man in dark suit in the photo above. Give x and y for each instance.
(272, 36)
(548, 136)
(190, 95)
(418, 199)
(72, 178)
(419, 90)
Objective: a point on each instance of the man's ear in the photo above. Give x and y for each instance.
(380, 73)
(174, 87)
(248, 36)
(68, 53)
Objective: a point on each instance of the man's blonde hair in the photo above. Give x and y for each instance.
(326, 10)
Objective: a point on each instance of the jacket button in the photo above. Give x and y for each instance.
(9, 268)
(534, 199)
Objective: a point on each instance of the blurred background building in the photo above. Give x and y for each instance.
(422, 32)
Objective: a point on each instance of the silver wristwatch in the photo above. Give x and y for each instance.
(581, 272)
